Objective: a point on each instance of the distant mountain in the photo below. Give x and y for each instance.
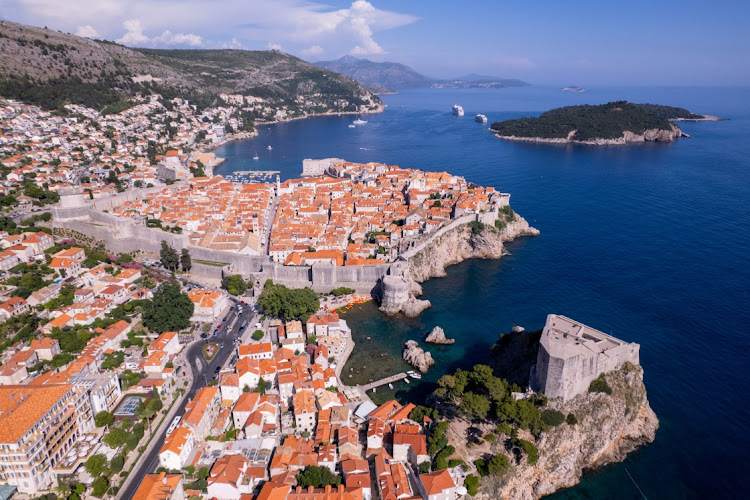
(383, 77)
(379, 77)
(50, 68)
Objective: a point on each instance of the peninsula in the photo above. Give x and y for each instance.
(618, 122)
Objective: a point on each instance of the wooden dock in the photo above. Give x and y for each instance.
(383, 381)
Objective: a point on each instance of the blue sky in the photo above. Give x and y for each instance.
(587, 42)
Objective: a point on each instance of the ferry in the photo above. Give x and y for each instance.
(480, 118)
(359, 121)
(458, 110)
(414, 374)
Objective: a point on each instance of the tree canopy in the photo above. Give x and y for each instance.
(288, 304)
(317, 477)
(169, 257)
(605, 121)
(234, 284)
(169, 310)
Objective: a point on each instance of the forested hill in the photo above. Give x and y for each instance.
(50, 68)
(605, 121)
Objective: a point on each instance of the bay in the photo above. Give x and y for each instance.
(648, 242)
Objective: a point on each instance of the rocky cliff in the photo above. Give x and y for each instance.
(437, 336)
(417, 357)
(609, 427)
(460, 244)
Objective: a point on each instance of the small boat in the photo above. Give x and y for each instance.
(407, 381)
(390, 386)
(256, 157)
(414, 374)
(269, 147)
(351, 125)
(374, 389)
(359, 121)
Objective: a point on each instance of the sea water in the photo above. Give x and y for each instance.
(648, 242)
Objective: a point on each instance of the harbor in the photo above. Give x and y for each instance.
(251, 176)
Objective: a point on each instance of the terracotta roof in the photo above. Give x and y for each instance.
(22, 406)
(437, 482)
(157, 486)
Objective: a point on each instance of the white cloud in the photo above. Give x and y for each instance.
(274, 46)
(87, 31)
(297, 25)
(133, 33)
(233, 44)
(313, 51)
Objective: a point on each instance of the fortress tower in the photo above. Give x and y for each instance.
(571, 355)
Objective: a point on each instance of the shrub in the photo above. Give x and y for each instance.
(498, 465)
(490, 437)
(532, 454)
(471, 482)
(455, 462)
(571, 419)
(342, 290)
(600, 384)
(476, 227)
(481, 466)
(104, 418)
(424, 467)
(553, 418)
(503, 428)
(257, 334)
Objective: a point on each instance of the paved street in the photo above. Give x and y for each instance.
(203, 371)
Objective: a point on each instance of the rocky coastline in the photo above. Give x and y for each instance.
(399, 293)
(651, 135)
(460, 244)
(417, 357)
(609, 427)
(437, 336)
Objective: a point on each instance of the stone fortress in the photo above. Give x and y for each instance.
(571, 355)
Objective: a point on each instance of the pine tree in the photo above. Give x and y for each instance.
(185, 261)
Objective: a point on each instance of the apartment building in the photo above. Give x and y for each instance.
(38, 426)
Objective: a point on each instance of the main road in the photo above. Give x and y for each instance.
(203, 371)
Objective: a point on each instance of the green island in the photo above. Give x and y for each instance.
(612, 123)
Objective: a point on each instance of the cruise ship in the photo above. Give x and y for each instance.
(458, 110)
(480, 118)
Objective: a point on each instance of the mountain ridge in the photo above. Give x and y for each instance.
(385, 77)
(51, 68)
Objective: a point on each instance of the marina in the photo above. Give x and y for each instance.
(251, 176)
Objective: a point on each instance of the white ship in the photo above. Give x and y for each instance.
(351, 125)
(269, 147)
(359, 121)
(458, 110)
(414, 374)
(480, 119)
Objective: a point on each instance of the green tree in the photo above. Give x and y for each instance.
(115, 438)
(317, 477)
(571, 419)
(185, 261)
(474, 406)
(104, 418)
(169, 257)
(169, 310)
(552, 418)
(117, 464)
(289, 304)
(471, 482)
(498, 465)
(100, 486)
(96, 465)
(257, 334)
(261, 387)
(234, 284)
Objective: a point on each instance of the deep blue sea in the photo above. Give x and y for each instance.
(648, 242)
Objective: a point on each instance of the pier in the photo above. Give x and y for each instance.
(256, 172)
(383, 381)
